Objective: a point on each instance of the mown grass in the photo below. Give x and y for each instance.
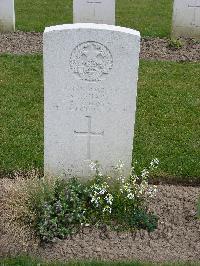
(152, 18)
(21, 112)
(167, 124)
(168, 121)
(25, 261)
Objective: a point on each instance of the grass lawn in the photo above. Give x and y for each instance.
(30, 262)
(168, 121)
(152, 18)
(21, 112)
(167, 124)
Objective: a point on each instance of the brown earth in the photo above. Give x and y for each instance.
(151, 48)
(162, 49)
(176, 239)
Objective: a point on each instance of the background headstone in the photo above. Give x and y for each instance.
(94, 11)
(7, 15)
(186, 18)
(90, 75)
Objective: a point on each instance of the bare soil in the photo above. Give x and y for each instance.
(177, 237)
(151, 48)
(161, 49)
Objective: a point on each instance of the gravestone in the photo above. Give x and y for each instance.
(94, 11)
(186, 18)
(90, 78)
(7, 15)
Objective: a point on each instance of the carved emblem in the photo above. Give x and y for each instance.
(91, 61)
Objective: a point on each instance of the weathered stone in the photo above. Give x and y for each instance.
(90, 75)
(186, 18)
(94, 11)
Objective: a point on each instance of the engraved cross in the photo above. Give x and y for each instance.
(195, 6)
(91, 52)
(89, 134)
(94, 2)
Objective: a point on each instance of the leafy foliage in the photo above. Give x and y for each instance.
(99, 202)
(175, 44)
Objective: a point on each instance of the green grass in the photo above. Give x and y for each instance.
(152, 18)
(167, 124)
(24, 261)
(21, 112)
(168, 121)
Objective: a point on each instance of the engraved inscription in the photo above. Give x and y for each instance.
(195, 10)
(90, 99)
(94, 2)
(89, 133)
(94, 8)
(91, 61)
(97, 21)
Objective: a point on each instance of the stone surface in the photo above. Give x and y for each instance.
(94, 11)
(7, 15)
(90, 75)
(186, 18)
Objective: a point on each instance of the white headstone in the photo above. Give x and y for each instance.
(186, 18)
(7, 15)
(94, 11)
(90, 75)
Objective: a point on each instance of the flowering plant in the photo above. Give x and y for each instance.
(120, 203)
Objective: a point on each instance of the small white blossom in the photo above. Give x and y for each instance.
(107, 208)
(100, 174)
(145, 173)
(121, 178)
(93, 166)
(152, 190)
(130, 196)
(120, 165)
(121, 190)
(109, 199)
(154, 162)
(102, 192)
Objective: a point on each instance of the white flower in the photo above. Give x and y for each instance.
(107, 208)
(154, 162)
(121, 190)
(102, 192)
(121, 178)
(152, 190)
(130, 196)
(120, 165)
(145, 173)
(109, 199)
(100, 174)
(93, 166)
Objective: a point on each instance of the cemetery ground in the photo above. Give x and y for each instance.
(139, 14)
(167, 121)
(167, 127)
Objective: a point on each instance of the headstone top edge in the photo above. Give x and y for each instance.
(91, 26)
